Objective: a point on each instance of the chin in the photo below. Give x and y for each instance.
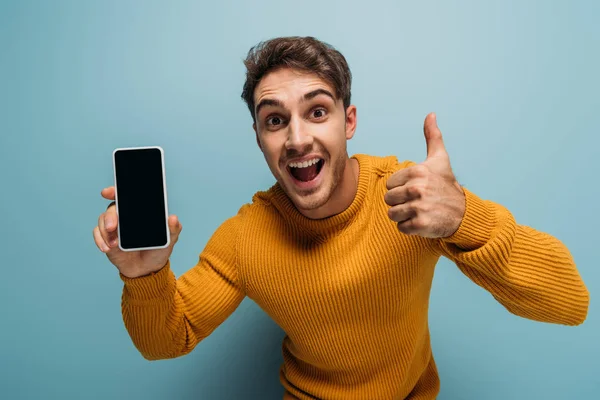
(310, 202)
(307, 200)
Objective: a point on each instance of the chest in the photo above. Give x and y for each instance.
(373, 272)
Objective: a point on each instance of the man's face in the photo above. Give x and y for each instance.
(302, 131)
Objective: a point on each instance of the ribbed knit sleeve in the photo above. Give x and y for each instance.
(531, 273)
(167, 317)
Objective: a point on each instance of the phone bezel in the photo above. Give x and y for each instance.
(162, 161)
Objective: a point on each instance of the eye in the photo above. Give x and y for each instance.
(319, 113)
(274, 121)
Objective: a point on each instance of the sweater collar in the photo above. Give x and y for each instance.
(330, 225)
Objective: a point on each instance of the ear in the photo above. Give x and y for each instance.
(256, 133)
(350, 121)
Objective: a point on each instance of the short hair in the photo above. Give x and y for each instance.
(303, 53)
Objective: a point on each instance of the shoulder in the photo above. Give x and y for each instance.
(258, 208)
(231, 229)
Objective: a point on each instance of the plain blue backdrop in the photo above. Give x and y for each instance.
(514, 84)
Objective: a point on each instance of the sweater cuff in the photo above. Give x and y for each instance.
(477, 226)
(152, 286)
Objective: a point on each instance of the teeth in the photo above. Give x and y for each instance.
(305, 163)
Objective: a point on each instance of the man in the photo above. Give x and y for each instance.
(341, 251)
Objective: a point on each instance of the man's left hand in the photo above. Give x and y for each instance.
(426, 199)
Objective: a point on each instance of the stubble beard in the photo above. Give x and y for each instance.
(312, 200)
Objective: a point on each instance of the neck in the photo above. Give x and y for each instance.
(342, 196)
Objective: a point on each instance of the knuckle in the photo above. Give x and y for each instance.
(415, 224)
(414, 191)
(104, 233)
(419, 170)
(420, 222)
(413, 209)
(421, 207)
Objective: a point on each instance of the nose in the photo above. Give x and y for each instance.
(299, 139)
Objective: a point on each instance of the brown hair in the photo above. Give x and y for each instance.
(303, 53)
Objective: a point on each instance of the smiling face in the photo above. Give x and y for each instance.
(302, 130)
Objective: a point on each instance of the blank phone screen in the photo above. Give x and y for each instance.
(141, 198)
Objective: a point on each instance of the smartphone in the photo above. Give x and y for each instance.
(141, 198)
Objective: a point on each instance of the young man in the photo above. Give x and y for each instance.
(341, 251)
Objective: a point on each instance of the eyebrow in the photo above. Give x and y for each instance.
(315, 93)
(308, 96)
(268, 102)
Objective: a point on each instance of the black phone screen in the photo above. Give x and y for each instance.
(140, 196)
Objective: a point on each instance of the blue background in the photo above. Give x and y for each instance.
(514, 84)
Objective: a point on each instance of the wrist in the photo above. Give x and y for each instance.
(477, 224)
(150, 286)
(141, 273)
(459, 215)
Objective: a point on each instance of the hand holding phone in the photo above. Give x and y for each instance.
(136, 233)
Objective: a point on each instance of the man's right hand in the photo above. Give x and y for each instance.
(132, 264)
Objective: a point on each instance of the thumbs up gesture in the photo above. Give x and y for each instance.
(426, 199)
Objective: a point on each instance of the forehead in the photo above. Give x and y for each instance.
(289, 84)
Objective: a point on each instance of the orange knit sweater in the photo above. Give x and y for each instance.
(350, 291)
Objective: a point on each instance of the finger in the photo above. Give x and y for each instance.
(398, 178)
(402, 194)
(108, 193)
(110, 238)
(403, 176)
(402, 212)
(433, 137)
(111, 220)
(99, 240)
(410, 226)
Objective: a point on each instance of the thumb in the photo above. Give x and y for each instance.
(433, 137)
(174, 228)
(108, 193)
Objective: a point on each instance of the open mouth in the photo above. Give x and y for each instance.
(307, 170)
